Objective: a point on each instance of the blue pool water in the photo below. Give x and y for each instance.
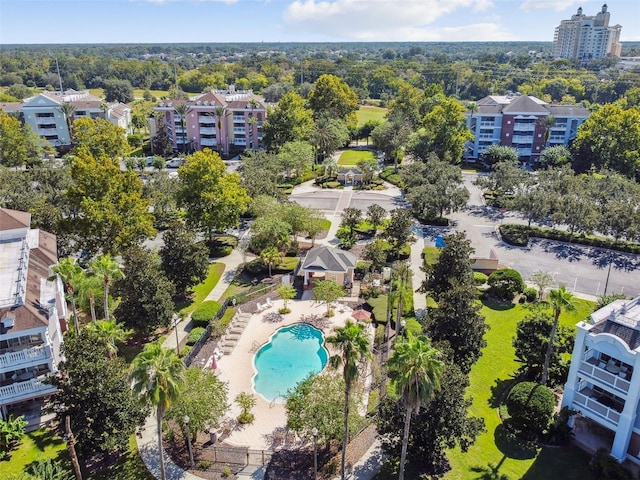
(292, 353)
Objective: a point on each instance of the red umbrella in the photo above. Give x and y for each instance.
(361, 315)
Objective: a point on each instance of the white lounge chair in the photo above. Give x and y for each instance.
(269, 302)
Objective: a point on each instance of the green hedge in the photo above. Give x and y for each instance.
(332, 185)
(519, 235)
(205, 312)
(194, 335)
(391, 176)
(480, 278)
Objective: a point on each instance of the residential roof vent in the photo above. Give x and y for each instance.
(8, 323)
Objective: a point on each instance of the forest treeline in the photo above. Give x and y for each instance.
(468, 71)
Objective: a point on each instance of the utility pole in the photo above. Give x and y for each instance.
(59, 77)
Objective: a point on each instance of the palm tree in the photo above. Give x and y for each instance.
(68, 110)
(106, 267)
(183, 110)
(547, 123)
(69, 272)
(157, 375)
(561, 301)
(269, 256)
(416, 368)
(110, 333)
(353, 345)
(220, 112)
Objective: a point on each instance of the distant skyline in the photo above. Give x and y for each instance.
(216, 21)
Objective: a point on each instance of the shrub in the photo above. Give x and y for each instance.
(530, 406)
(226, 472)
(203, 465)
(195, 335)
(531, 294)
(204, 313)
(184, 351)
(517, 235)
(480, 278)
(332, 185)
(505, 283)
(608, 468)
(362, 267)
(284, 311)
(559, 432)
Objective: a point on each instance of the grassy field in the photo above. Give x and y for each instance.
(352, 157)
(39, 444)
(139, 92)
(366, 113)
(494, 455)
(201, 290)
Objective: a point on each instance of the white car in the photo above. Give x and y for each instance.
(175, 163)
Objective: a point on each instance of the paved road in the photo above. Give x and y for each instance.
(330, 200)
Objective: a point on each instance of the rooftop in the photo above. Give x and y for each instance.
(620, 318)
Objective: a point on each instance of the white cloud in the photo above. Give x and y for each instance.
(389, 20)
(556, 5)
(185, 1)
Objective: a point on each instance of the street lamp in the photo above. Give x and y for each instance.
(314, 432)
(186, 420)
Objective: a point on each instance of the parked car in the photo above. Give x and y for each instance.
(175, 162)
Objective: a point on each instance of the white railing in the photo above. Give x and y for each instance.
(207, 131)
(14, 359)
(27, 388)
(208, 142)
(238, 118)
(239, 141)
(524, 127)
(239, 130)
(605, 377)
(487, 124)
(206, 119)
(597, 408)
(521, 139)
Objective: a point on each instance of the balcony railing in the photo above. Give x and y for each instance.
(206, 119)
(26, 389)
(596, 407)
(207, 131)
(238, 118)
(239, 141)
(605, 377)
(27, 355)
(524, 127)
(522, 139)
(208, 142)
(240, 130)
(487, 124)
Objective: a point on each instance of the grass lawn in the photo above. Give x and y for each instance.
(39, 444)
(366, 113)
(352, 157)
(138, 93)
(201, 290)
(489, 376)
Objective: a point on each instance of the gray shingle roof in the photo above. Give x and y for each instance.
(329, 259)
(629, 335)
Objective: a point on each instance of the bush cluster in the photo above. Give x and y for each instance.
(391, 176)
(608, 468)
(530, 406)
(480, 278)
(505, 283)
(195, 335)
(530, 294)
(204, 313)
(519, 235)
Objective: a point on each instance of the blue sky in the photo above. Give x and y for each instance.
(155, 21)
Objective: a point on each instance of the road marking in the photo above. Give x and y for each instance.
(485, 226)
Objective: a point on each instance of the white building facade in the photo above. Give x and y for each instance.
(45, 114)
(32, 315)
(587, 37)
(604, 377)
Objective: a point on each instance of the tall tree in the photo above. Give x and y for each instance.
(110, 333)
(270, 256)
(562, 301)
(182, 109)
(185, 262)
(329, 134)
(18, 145)
(109, 269)
(332, 97)
(67, 109)
(213, 198)
(453, 266)
(326, 292)
(69, 272)
(94, 391)
(398, 230)
(289, 121)
(157, 375)
(100, 137)
(376, 214)
(415, 369)
(350, 219)
(352, 343)
(146, 295)
(110, 213)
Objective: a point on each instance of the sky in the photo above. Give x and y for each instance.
(210, 21)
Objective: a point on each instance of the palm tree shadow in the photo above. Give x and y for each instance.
(491, 471)
(498, 390)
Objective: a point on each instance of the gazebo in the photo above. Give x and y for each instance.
(330, 264)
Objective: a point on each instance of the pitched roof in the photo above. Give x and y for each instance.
(10, 219)
(525, 104)
(629, 335)
(569, 110)
(323, 258)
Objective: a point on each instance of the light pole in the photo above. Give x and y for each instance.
(314, 432)
(176, 319)
(186, 420)
(606, 283)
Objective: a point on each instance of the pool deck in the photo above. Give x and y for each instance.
(237, 370)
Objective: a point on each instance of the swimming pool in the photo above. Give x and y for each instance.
(292, 353)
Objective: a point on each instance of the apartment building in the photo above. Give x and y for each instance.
(46, 114)
(518, 121)
(32, 315)
(224, 120)
(604, 378)
(587, 37)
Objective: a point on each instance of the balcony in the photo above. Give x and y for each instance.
(207, 131)
(594, 404)
(22, 358)
(208, 142)
(616, 378)
(25, 390)
(524, 152)
(524, 127)
(487, 124)
(206, 120)
(238, 119)
(522, 139)
(239, 141)
(239, 130)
